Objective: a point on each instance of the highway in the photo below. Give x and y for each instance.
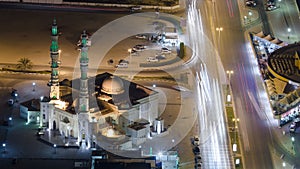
(236, 55)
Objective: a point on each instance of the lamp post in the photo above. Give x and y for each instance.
(293, 141)
(54, 146)
(33, 86)
(235, 120)
(4, 147)
(129, 51)
(229, 72)
(289, 32)
(219, 29)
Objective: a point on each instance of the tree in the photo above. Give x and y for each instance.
(24, 64)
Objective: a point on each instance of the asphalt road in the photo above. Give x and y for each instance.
(234, 55)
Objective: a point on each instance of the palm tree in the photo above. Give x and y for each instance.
(24, 63)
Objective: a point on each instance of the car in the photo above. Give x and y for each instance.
(160, 57)
(123, 61)
(10, 102)
(136, 8)
(122, 65)
(152, 59)
(196, 141)
(196, 150)
(251, 3)
(198, 158)
(40, 133)
(139, 47)
(270, 7)
(198, 165)
(165, 50)
(295, 124)
(141, 36)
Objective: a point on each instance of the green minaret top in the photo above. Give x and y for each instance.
(54, 28)
(84, 56)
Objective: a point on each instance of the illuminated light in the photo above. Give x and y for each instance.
(110, 133)
(159, 154)
(234, 147)
(229, 98)
(3, 145)
(237, 161)
(10, 118)
(154, 85)
(283, 164)
(54, 145)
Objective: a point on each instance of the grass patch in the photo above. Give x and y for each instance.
(27, 71)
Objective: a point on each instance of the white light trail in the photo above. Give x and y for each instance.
(213, 136)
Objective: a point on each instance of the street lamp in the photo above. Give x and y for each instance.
(229, 72)
(129, 51)
(293, 141)
(235, 120)
(4, 147)
(219, 29)
(54, 145)
(33, 86)
(289, 31)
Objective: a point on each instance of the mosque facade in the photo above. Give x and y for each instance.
(93, 108)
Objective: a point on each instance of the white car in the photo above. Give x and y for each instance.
(152, 59)
(196, 141)
(136, 8)
(165, 50)
(141, 36)
(10, 102)
(122, 65)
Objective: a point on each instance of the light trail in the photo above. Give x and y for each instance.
(215, 149)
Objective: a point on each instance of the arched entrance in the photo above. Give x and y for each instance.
(54, 125)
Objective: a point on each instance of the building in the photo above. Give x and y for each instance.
(96, 110)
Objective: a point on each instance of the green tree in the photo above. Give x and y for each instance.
(24, 64)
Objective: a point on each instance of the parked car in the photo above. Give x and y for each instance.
(250, 3)
(165, 50)
(196, 141)
(295, 124)
(160, 57)
(122, 65)
(196, 150)
(136, 8)
(10, 102)
(152, 59)
(198, 166)
(123, 61)
(139, 47)
(141, 36)
(198, 158)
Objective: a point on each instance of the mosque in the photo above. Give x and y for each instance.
(93, 109)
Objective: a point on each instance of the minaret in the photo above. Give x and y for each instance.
(83, 112)
(54, 54)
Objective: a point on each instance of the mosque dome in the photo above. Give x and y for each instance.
(113, 85)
